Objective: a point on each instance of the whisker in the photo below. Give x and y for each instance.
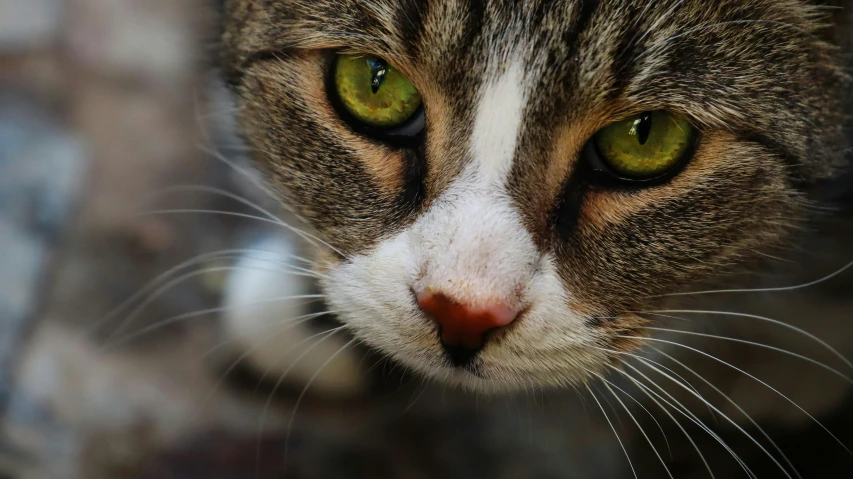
(654, 26)
(634, 25)
(215, 113)
(325, 335)
(198, 211)
(760, 318)
(767, 290)
(760, 345)
(267, 370)
(151, 285)
(245, 173)
(227, 194)
(649, 364)
(686, 412)
(737, 406)
(195, 314)
(662, 462)
(772, 257)
(611, 384)
(707, 429)
(304, 391)
(291, 323)
(756, 379)
(613, 409)
(125, 323)
(671, 417)
(660, 48)
(669, 370)
(614, 431)
(737, 22)
(638, 403)
(424, 387)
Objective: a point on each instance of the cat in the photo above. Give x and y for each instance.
(522, 195)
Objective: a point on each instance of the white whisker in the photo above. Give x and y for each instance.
(245, 174)
(125, 323)
(736, 406)
(210, 189)
(195, 314)
(424, 387)
(671, 417)
(614, 431)
(768, 290)
(290, 323)
(662, 462)
(612, 408)
(655, 25)
(793, 403)
(305, 390)
(666, 440)
(151, 285)
(760, 318)
(649, 364)
(684, 411)
(760, 345)
(325, 335)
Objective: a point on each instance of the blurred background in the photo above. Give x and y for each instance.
(110, 121)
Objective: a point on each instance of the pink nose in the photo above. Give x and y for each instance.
(462, 325)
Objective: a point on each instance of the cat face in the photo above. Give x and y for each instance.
(482, 242)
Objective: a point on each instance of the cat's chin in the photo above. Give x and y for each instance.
(475, 381)
(484, 379)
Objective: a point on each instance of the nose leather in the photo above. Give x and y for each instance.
(462, 325)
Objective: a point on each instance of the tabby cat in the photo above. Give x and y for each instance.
(517, 195)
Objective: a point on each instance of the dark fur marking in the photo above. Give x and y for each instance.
(588, 8)
(623, 67)
(414, 176)
(567, 212)
(475, 20)
(410, 20)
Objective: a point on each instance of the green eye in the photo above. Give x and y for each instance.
(646, 145)
(374, 92)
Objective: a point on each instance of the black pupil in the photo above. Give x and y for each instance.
(643, 127)
(378, 70)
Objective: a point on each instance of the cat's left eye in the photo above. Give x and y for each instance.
(376, 95)
(643, 147)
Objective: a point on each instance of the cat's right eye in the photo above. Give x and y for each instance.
(376, 96)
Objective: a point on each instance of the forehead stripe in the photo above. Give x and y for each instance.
(497, 123)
